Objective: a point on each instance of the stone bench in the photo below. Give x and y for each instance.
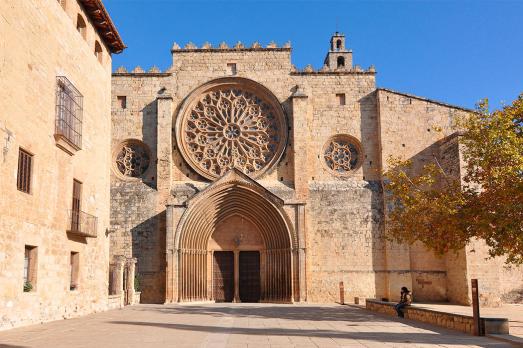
(459, 322)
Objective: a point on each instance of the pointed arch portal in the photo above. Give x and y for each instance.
(235, 215)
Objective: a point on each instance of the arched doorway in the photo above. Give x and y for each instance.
(235, 229)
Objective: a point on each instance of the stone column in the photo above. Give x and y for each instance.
(131, 267)
(164, 147)
(118, 279)
(173, 253)
(236, 276)
(300, 228)
(170, 255)
(300, 115)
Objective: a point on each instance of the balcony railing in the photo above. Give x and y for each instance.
(82, 224)
(69, 108)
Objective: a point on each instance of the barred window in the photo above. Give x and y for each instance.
(68, 112)
(25, 166)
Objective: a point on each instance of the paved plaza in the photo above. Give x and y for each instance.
(238, 325)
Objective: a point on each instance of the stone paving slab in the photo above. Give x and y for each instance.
(238, 325)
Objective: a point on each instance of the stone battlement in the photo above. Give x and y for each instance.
(224, 47)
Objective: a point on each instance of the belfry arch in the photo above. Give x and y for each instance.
(233, 215)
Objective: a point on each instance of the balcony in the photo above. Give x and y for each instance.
(82, 224)
(69, 109)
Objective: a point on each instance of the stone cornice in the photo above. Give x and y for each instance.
(425, 99)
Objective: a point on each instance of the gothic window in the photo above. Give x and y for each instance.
(338, 44)
(232, 126)
(132, 158)
(81, 26)
(98, 51)
(342, 154)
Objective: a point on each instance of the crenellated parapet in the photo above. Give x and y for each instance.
(224, 47)
(153, 71)
(310, 70)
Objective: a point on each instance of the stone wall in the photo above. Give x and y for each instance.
(344, 240)
(344, 214)
(137, 221)
(452, 321)
(39, 43)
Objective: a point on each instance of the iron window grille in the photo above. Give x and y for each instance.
(69, 109)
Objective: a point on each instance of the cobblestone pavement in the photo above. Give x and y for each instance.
(238, 325)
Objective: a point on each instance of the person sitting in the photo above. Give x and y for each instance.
(405, 300)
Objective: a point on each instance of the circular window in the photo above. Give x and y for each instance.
(342, 154)
(231, 123)
(132, 158)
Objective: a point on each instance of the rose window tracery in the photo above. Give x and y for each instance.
(342, 154)
(132, 159)
(232, 127)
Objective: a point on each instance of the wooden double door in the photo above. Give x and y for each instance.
(232, 283)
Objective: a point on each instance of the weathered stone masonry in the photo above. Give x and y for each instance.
(341, 130)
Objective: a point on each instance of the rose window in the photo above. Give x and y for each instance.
(231, 127)
(342, 154)
(132, 159)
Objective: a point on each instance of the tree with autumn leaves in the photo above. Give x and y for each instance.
(446, 212)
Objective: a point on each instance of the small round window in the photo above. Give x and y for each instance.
(132, 158)
(342, 154)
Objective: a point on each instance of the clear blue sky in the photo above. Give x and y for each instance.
(452, 51)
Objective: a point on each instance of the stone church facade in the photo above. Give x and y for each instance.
(237, 177)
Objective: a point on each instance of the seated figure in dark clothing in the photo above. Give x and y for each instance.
(405, 300)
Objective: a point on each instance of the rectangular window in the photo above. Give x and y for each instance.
(75, 266)
(341, 98)
(231, 68)
(122, 101)
(30, 259)
(25, 166)
(75, 210)
(69, 108)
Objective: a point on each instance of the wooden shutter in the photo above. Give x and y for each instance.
(24, 171)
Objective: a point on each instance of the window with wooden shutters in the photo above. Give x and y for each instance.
(75, 213)
(25, 166)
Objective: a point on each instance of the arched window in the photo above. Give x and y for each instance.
(98, 51)
(80, 26)
(341, 62)
(338, 44)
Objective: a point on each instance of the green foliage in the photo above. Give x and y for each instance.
(28, 287)
(137, 283)
(445, 212)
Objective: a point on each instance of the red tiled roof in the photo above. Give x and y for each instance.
(96, 11)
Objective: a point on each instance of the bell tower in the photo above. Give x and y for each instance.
(338, 58)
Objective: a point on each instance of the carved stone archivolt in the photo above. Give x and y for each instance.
(231, 123)
(342, 154)
(132, 158)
